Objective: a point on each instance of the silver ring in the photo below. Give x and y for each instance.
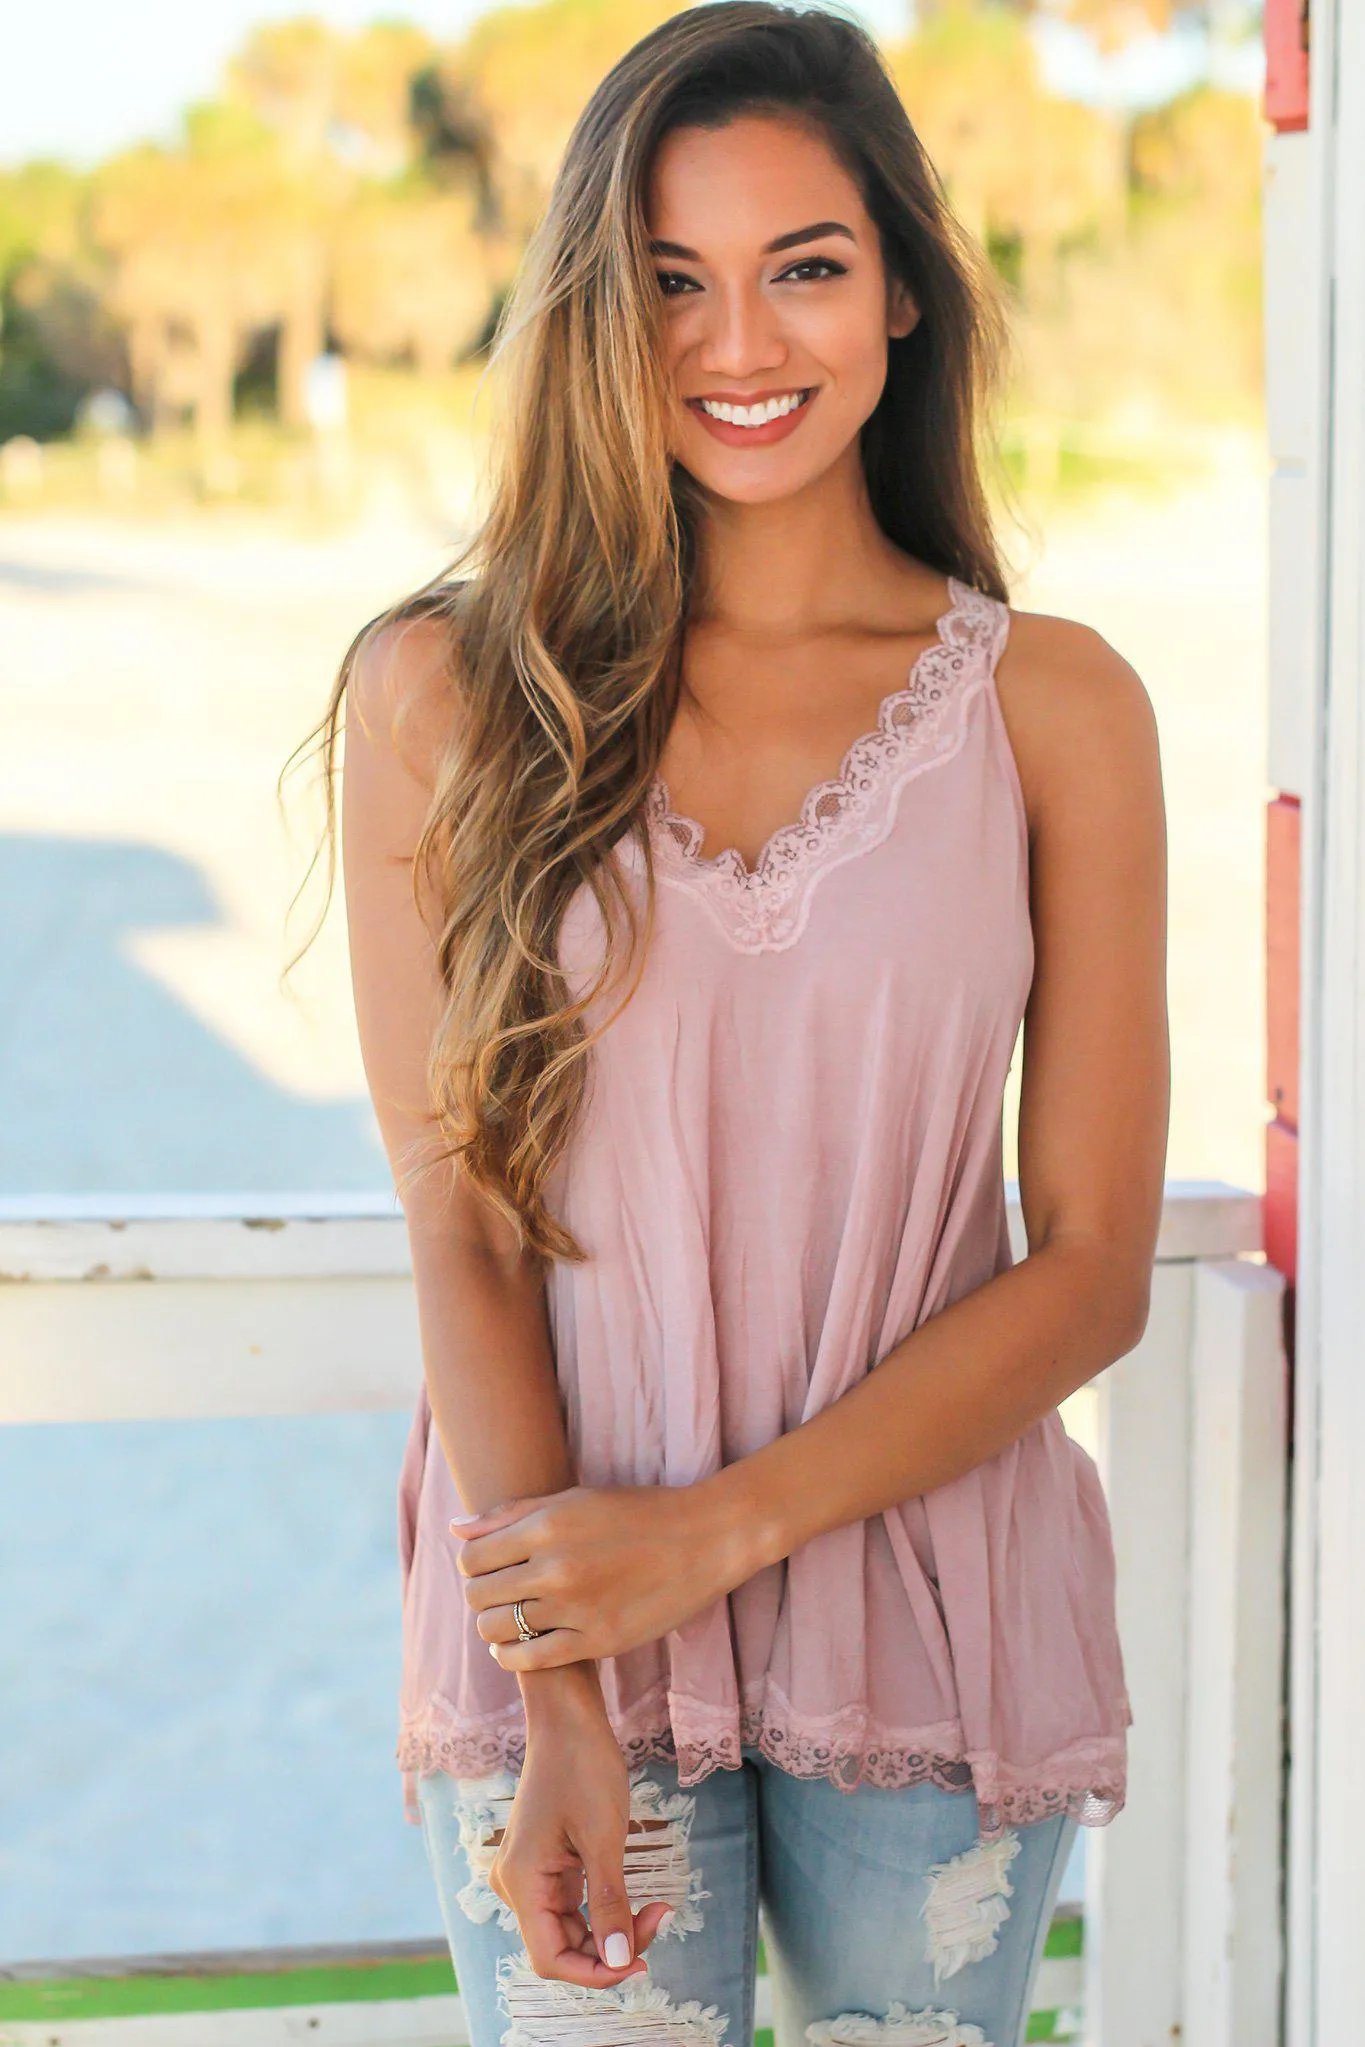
(524, 1629)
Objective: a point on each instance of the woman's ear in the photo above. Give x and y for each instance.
(902, 314)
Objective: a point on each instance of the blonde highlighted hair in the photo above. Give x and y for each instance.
(564, 614)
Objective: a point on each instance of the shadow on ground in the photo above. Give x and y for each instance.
(108, 1082)
(199, 1657)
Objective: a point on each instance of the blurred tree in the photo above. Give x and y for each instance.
(1111, 22)
(411, 248)
(209, 242)
(377, 71)
(42, 214)
(287, 74)
(57, 339)
(1196, 167)
(531, 70)
(1202, 150)
(1026, 171)
(455, 137)
(327, 94)
(411, 275)
(58, 316)
(1164, 320)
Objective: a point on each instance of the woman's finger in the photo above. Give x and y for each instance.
(648, 1920)
(554, 1950)
(497, 1517)
(500, 1588)
(499, 1623)
(609, 1913)
(514, 1544)
(547, 1652)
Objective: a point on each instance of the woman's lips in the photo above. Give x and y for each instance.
(753, 436)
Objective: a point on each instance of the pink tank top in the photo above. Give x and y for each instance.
(790, 1158)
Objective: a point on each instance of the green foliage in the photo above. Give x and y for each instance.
(37, 396)
(222, 131)
(57, 340)
(42, 210)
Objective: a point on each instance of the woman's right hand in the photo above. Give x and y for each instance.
(568, 1823)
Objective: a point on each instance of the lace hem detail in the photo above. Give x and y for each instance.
(1086, 1780)
(919, 726)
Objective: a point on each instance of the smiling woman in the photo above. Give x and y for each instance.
(753, 416)
(823, 319)
(746, 1558)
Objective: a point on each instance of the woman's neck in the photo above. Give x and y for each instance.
(814, 560)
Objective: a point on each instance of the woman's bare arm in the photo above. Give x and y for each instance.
(486, 1348)
(627, 1565)
(485, 1340)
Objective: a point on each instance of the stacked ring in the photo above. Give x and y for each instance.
(525, 1631)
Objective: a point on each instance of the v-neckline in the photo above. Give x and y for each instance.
(688, 836)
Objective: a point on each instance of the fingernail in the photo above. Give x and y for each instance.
(464, 1520)
(616, 1951)
(493, 1651)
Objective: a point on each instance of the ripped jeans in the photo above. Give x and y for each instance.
(886, 1922)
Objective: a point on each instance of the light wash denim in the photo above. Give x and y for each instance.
(886, 1922)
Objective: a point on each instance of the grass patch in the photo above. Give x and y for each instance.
(145, 1995)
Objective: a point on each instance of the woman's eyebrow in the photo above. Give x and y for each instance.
(791, 240)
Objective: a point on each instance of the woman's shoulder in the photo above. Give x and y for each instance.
(403, 687)
(1077, 712)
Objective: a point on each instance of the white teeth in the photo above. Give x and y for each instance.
(753, 415)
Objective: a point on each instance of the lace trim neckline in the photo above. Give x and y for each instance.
(764, 906)
(690, 836)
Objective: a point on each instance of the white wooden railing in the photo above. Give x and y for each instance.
(200, 1306)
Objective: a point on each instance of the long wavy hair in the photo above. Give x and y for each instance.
(564, 614)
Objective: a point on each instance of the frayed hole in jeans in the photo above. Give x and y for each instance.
(541, 2013)
(966, 1906)
(900, 2028)
(658, 1866)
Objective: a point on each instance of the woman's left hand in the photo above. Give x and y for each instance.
(598, 1569)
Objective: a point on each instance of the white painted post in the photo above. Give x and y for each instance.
(1134, 1866)
(1297, 298)
(1134, 1961)
(1316, 375)
(1330, 1351)
(1234, 1758)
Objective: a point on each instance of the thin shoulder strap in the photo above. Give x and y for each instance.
(977, 621)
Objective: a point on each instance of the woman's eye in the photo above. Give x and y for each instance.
(812, 266)
(673, 283)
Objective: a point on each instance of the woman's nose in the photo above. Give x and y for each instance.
(744, 335)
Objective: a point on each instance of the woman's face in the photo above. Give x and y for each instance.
(776, 298)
